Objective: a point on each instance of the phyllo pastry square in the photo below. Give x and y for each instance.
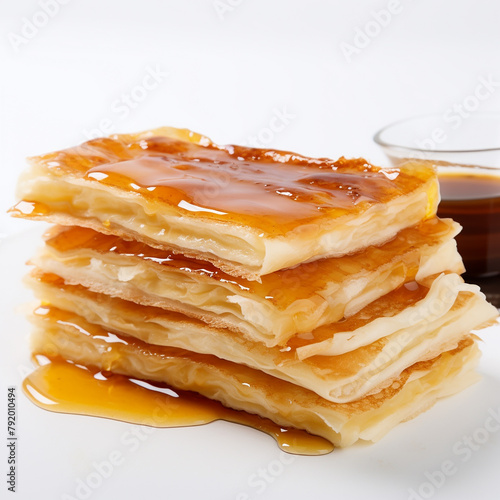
(247, 211)
(340, 362)
(70, 337)
(285, 303)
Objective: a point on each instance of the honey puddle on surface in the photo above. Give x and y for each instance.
(64, 387)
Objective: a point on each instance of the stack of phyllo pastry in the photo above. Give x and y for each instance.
(324, 295)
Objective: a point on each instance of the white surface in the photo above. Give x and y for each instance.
(226, 78)
(228, 461)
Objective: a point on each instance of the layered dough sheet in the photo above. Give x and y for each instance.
(322, 295)
(350, 359)
(285, 302)
(243, 388)
(249, 212)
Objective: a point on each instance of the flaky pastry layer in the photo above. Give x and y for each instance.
(285, 303)
(370, 350)
(244, 388)
(249, 212)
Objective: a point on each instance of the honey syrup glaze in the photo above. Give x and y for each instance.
(281, 287)
(267, 189)
(65, 387)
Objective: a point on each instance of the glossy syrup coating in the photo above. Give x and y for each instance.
(389, 305)
(62, 386)
(273, 191)
(66, 387)
(61, 391)
(281, 288)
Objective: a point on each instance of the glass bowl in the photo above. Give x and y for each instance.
(465, 148)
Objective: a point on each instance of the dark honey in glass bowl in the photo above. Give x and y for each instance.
(472, 198)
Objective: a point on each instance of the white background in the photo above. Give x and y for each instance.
(229, 69)
(226, 69)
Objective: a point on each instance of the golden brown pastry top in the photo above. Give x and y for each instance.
(274, 191)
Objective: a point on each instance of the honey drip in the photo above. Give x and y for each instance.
(64, 387)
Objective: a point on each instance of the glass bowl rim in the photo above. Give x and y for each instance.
(377, 138)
